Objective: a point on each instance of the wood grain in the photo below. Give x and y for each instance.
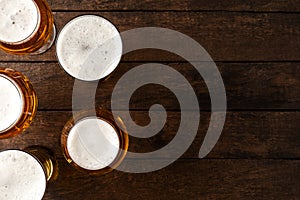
(245, 134)
(248, 86)
(185, 179)
(226, 36)
(256, 45)
(178, 5)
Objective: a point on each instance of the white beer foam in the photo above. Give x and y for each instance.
(18, 20)
(89, 47)
(11, 103)
(93, 143)
(21, 176)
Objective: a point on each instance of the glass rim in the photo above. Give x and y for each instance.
(35, 30)
(41, 39)
(107, 117)
(21, 98)
(36, 159)
(68, 24)
(30, 103)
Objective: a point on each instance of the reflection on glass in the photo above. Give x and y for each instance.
(18, 103)
(25, 173)
(94, 144)
(27, 26)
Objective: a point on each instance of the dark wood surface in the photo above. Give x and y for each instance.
(256, 45)
(227, 36)
(183, 5)
(269, 135)
(249, 86)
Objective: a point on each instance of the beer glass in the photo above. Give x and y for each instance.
(18, 103)
(25, 173)
(89, 48)
(94, 144)
(27, 26)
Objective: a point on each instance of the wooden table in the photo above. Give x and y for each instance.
(256, 46)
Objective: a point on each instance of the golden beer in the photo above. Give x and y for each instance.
(47, 159)
(26, 173)
(95, 144)
(27, 26)
(18, 103)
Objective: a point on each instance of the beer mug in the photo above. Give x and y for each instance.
(18, 103)
(27, 26)
(89, 47)
(25, 173)
(94, 144)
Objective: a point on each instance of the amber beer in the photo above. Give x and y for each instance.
(18, 103)
(27, 26)
(26, 173)
(95, 144)
(47, 159)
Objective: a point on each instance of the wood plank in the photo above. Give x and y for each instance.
(245, 134)
(248, 86)
(185, 179)
(227, 36)
(178, 5)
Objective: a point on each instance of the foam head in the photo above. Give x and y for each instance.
(93, 144)
(18, 20)
(11, 103)
(22, 176)
(89, 47)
